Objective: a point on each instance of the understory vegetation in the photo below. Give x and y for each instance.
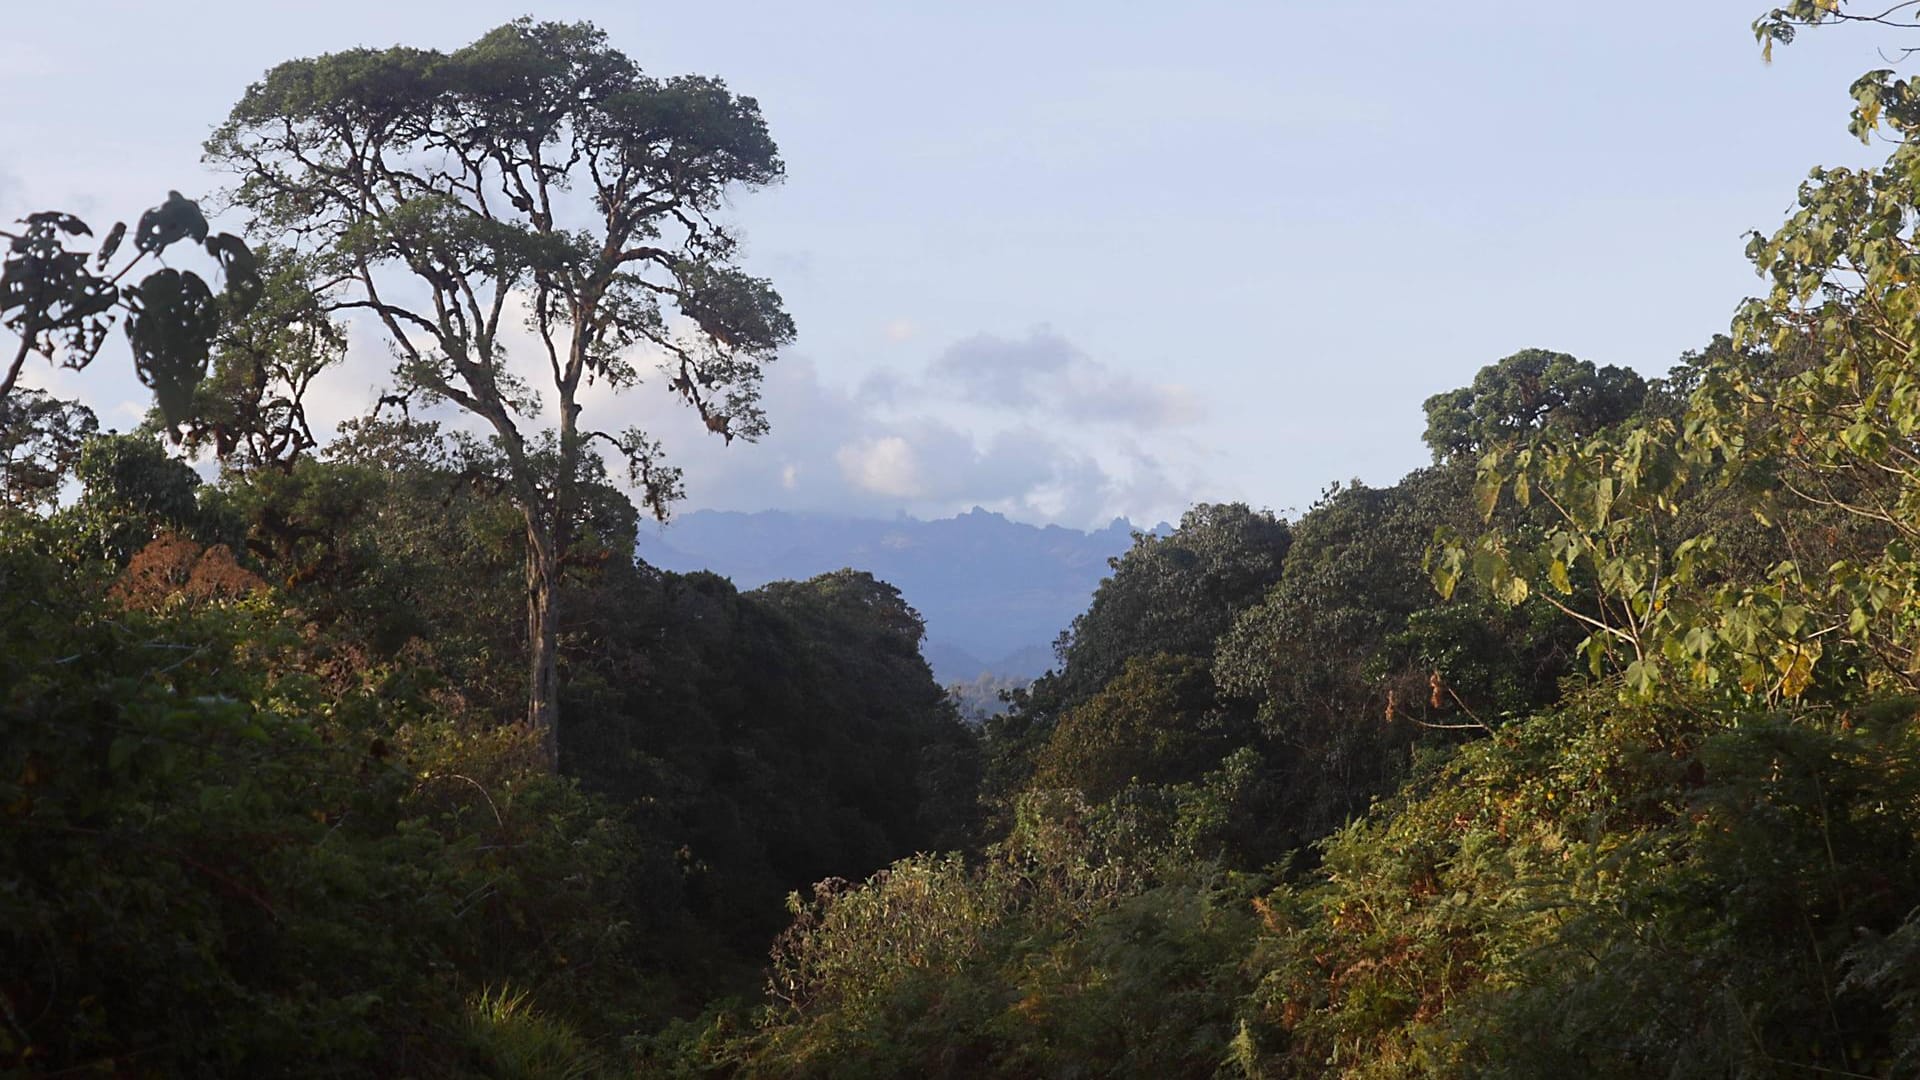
(1591, 749)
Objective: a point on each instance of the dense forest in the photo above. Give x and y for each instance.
(1589, 750)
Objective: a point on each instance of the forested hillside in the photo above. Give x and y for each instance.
(995, 593)
(1590, 749)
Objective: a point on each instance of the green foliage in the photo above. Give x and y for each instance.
(40, 441)
(1349, 660)
(268, 818)
(1805, 420)
(1605, 891)
(1320, 660)
(514, 1041)
(250, 409)
(1150, 724)
(433, 188)
(1798, 428)
(1174, 595)
(265, 808)
(1048, 958)
(399, 560)
(131, 492)
(1531, 391)
(1700, 865)
(807, 740)
(216, 865)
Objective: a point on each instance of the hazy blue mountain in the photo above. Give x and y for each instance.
(995, 593)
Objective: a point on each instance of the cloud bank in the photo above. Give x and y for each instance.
(1045, 374)
(1031, 427)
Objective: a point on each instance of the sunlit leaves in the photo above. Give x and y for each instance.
(1658, 607)
(1810, 417)
(1531, 391)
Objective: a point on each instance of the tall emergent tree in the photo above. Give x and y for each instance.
(535, 178)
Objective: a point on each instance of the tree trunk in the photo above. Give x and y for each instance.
(543, 644)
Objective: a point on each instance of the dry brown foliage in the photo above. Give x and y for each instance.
(174, 566)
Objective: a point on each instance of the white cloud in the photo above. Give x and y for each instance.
(883, 466)
(838, 449)
(1045, 374)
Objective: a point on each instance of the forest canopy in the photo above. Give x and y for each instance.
(1588, 749)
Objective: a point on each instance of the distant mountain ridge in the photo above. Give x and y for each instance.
(994, 592)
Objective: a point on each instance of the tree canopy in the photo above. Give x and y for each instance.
(1530, 391)
(531, 210)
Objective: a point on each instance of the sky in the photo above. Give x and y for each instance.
(1076, 260)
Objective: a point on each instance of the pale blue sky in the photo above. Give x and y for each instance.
(1074, 260)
